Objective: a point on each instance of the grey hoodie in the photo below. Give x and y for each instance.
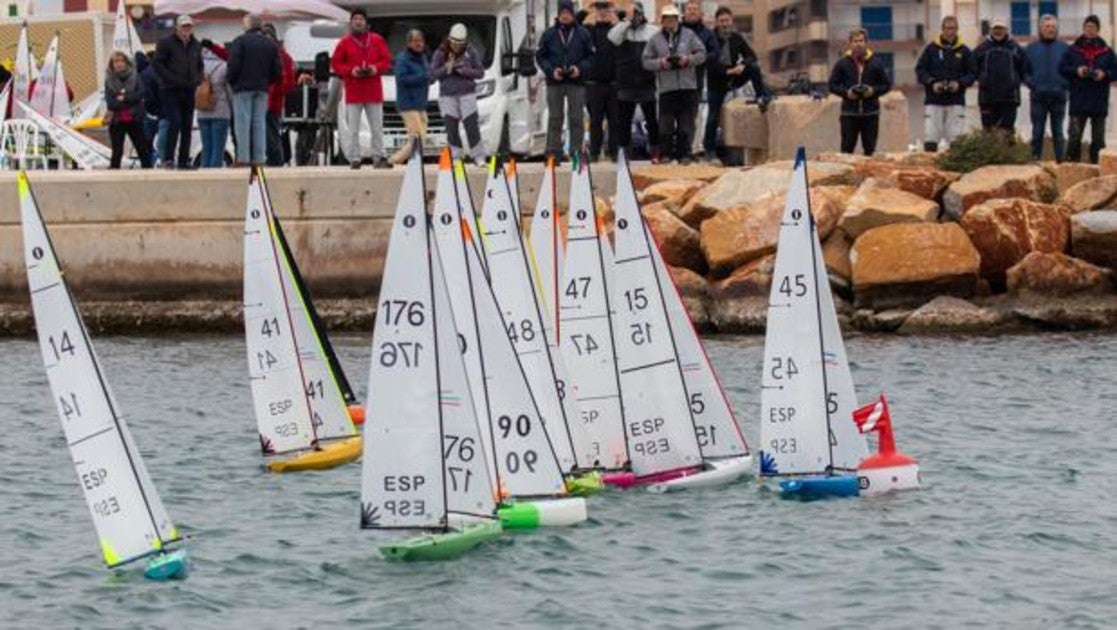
(659, 47)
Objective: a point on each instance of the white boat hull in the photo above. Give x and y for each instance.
(719, 472)
(876, 481)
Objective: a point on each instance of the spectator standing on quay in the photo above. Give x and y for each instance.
(360, 59)
(945, 68)
(178, 64)
(279, 152)
(1091, 66)
(1001, 67)
(860, 79)
(253, 68)
(155, 123)
(734, 63)
(1048, 86)
(601, 87)
(412, 71)
(673, 54)
(635, 85)
(695, 20)
(124, 101)
(214, 117)
(456, 67)
(565, 56)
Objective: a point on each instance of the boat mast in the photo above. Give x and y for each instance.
(811, 235)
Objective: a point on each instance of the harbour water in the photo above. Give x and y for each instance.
(1014, 527)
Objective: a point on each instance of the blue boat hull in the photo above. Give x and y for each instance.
(168, 566)
(822, 487)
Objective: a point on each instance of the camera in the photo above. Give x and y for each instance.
(861, 89)
(674, 60)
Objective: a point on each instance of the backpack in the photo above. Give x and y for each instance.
(205, 100)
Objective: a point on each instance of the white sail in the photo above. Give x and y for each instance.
(548, 252)
(402, 482)
(660, 429)
(127, 513)
(124, 35)
(283, 412)
(5, 98)
(50, 96)
(85, 151)
(849, 444)
(510, 277)
(468, 210)
(585, 336)
(24, 71)
(329, 412)
(794, 437)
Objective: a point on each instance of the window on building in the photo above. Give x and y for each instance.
(744, 24)
(889, 64)
(1021, 22)
(1049, 8)
(878, 22)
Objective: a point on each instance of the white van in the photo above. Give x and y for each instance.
(511, 96)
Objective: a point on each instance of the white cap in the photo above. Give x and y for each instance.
(184, 20)
(998, 22)
(458, 32)
(669, 10)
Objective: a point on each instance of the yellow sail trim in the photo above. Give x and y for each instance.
(157, 544)
(174, 533)
(24, 186)
(110, 554)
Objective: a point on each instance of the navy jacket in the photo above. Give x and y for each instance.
(1045, 79)
(603, 69)
(562, 47)
(253, 62)
(1001, 68)
(1088, 96)
(709, 39)
(848, 73)
(945, 62)
(412, 84)
(150, 82)
(178, 65)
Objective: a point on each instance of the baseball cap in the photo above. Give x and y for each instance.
(669, 11)
(998, 23)
(184, 20)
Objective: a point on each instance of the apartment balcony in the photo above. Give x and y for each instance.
(816, 30)
(901, 32)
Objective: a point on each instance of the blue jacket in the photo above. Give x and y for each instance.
(1089, 96)
(412, 86)
(1044, 78)
(150, 82)
(945, 62)
(562, 47)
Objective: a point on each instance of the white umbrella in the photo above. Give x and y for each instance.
(274, 8)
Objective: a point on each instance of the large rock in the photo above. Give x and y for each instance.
(1028, 181)
(678, 242)
(695, 292)
(751, 279)
(925, 181)
(747, 232)
(1093, 237)
(795, 121)
(1107, 162)
(946, 314)
(744, 125)
(905, 264)
(1057, 274)
(873, 206)
(835, 253)
(677, 191)
(1068, 174)
(644, 176)
(744, 315)
(1091, 194)
(741, 186)
(1006, 230)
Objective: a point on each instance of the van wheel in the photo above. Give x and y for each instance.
(505, 147)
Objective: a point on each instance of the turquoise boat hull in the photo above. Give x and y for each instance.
(821, 487)
(168, 566)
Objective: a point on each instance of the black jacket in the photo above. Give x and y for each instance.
(710, 41)
(634, 83)
(945, 62)
(603, 69)
(1001, 68)
(178, 65)
(562, 47)
(848, 73)
(1088, 96)
(253, 62)
(728, 53)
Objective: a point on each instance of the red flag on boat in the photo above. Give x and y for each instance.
(873, 417)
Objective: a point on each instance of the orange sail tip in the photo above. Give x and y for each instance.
(357, 414)
(445, 161)
(551, 162)
(510, 167)
(467, 235)
(600, 220)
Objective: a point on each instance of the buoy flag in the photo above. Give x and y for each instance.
(873, 417)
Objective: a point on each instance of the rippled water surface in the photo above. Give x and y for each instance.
(1016, 525)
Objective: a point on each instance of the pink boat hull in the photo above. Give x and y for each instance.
(629, 479)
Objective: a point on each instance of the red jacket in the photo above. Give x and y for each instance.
(277, 92)
(352, 52)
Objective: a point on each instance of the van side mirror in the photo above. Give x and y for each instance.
(509, 63)
(526, 62)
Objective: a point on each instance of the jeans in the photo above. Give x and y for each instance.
(677, 112)
(601, 100)
(215, 132)
(178, 110)
(572, 98)
(1097, 137)
(999, 116)
(374, 113)
(627, 112)
(866, 127)
(1057, 110)
(134, 131)
(275, 153)
(714, 100)
(249, 109)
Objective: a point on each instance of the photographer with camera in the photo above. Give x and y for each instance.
(860, 79)
(565, 56)
(635, 85)
(673, 54)
(361, 57)
(733, 65)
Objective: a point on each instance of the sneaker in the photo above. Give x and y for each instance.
(684, 161)
(381, 163)
(168, 166)
(355, 165)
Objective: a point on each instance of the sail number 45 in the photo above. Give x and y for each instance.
(796, 287)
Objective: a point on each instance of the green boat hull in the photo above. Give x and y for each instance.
(536, 513)
(442, 546)
(585, 484)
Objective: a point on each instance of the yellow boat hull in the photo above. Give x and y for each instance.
(327, 457)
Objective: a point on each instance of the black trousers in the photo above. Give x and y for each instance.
(135, 132)
(274, 147)
(626, 111)
(1077, 129)
(865, 127)
(677, 111)
(999, 116)
(178, 109)
(601, 101)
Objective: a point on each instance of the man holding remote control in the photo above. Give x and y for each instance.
(565, 56)
(673, 54)
(860, 79)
